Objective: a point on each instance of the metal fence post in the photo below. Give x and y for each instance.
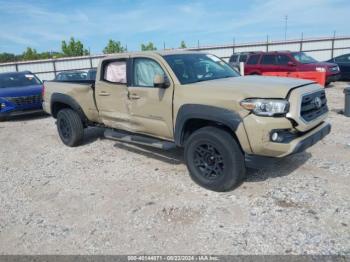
(54, 67)
(333, 40)
(267, 43)
(301, 42)
(90, 62)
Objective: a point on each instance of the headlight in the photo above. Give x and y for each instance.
(266, 107)
(320, 69)
(2, 105)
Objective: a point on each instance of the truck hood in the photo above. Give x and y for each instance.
(21, 91)
(252, 86)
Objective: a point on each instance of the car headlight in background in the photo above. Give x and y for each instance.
(266, 107)
(320, 69)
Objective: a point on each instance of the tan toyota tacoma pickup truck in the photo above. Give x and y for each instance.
(224, 122)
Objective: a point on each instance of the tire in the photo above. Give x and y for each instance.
(3, 118)
(214, 159)
(70, 127)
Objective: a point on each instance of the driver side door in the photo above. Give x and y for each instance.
(150, 106)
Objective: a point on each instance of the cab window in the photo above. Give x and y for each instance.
(144, 72)
(115, 72)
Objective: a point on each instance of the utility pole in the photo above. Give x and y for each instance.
(285, 27)
(164, 45)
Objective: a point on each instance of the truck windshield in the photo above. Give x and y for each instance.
(303, 58)
(18, 80)
(192, 68)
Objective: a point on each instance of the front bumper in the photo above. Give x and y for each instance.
(298, 145)
(20, 112)
(333, 78)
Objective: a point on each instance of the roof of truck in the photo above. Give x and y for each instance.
(158, 52)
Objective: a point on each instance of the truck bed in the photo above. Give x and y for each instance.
(82, 91)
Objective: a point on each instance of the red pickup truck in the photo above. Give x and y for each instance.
(286, 61)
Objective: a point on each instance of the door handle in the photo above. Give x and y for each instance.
(134, 96)
(104, 93)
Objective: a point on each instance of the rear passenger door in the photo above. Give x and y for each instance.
(252, 65)
(268, 63)
(111, 93)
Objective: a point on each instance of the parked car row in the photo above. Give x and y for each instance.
(21, 92)
(257, 63)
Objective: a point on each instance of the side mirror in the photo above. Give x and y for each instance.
(161, 81)
(290, 63)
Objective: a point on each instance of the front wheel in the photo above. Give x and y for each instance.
(214, 159)
(70, 127)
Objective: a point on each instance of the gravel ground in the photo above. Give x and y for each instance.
(110, 198)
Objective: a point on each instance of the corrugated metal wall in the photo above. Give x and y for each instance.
(320, 48)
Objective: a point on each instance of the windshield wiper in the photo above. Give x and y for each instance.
(208, 79)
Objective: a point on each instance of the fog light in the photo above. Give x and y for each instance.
(274, 136)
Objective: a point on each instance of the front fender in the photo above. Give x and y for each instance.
(187, 112)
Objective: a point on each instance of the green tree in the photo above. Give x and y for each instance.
(30, 54)
(73, 48)
(113, 47)
(183, 44)
(7, 57)
(148, 47)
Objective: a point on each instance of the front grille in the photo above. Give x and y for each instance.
(313, 105)
(25, 100)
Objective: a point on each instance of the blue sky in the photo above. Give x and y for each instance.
(43, 24)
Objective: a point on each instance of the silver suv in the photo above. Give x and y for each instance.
(236, 58)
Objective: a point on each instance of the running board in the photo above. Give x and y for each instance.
(138, 139)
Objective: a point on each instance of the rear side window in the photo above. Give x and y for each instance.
(243, 58)
(115, 72)
(253, 59)
(282, 59)
(233, 58)
(268, 60)
(343, 59)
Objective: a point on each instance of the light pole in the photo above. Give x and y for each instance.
(285, 27)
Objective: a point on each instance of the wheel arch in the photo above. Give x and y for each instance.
(191, 117)
(60, 101)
